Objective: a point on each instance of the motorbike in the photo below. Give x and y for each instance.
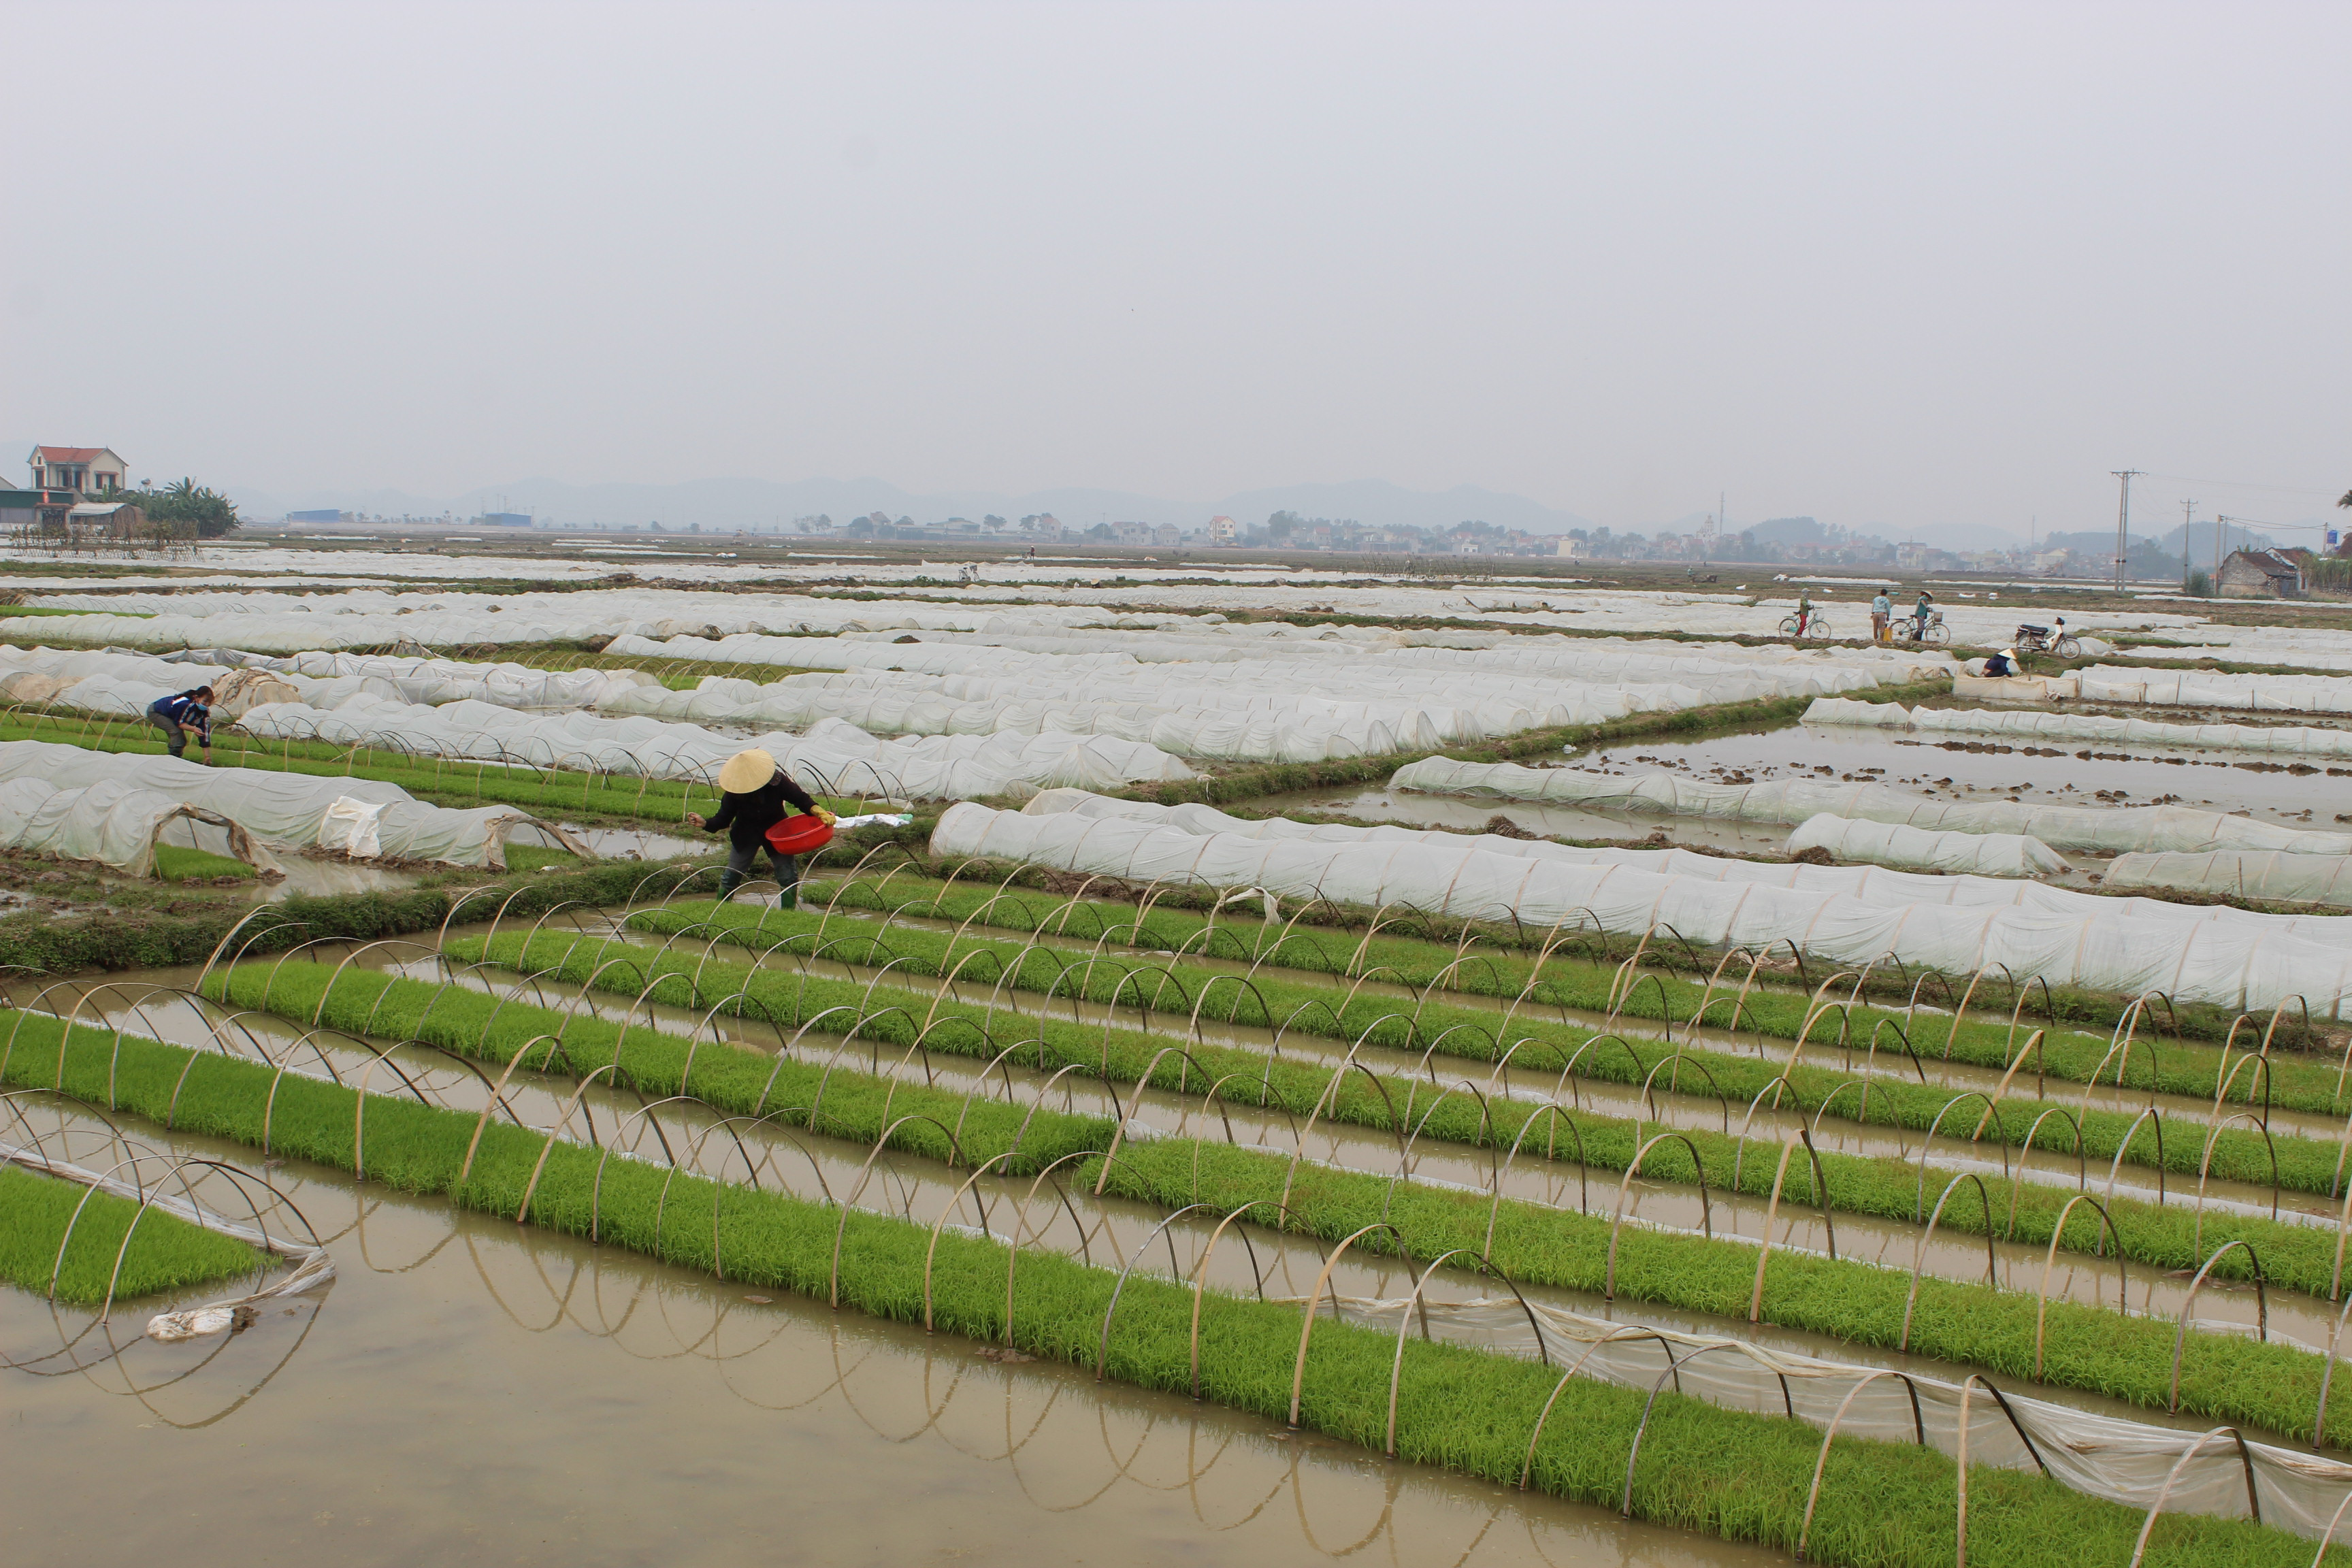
(2043, 639)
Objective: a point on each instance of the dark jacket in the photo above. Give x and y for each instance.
(184, 710)
(746, 818)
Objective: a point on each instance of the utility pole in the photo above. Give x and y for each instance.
(2221, 527)
(2188, 512)
(2123, 522)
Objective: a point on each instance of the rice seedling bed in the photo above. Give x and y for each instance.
(166, 1252)
(1327, 937)
(1725, 1472)
(2165, 1237)
(176, 863)
(1462, 1030)
(2125, 1358)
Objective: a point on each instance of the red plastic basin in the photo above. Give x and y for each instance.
(801, 834)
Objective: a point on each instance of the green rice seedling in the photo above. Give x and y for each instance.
(2084, 1346)
(837, 1100)
(1534, 1045)
(2161, 1238)
(176, 864)
(166, 1252)
(1733, 1474)
(1568, 977)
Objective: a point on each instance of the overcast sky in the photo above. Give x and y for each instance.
(1889, 264)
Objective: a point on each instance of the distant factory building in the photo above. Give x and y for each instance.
(326, 514)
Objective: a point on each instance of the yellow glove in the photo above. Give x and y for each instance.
(825, 817)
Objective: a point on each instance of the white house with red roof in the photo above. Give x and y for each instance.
(85, 470)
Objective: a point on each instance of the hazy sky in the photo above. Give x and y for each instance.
(1889, 264)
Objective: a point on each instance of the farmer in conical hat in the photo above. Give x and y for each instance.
(756, 791)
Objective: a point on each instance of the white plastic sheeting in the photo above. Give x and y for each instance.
(2111, 829)
(2284, 878)
(113, 823)
(371, 615)
(114, 680)
(2214, 689)
(291, 808)
(1350, 699)
(831, 757)
(1892, 844)
(1885, 889)
(2023, 725)
(2228, 965)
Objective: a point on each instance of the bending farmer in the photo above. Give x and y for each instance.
(177, 714)
(757, 791)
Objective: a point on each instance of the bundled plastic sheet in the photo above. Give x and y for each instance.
(114, 824)
(2113, 829)
(833, 757)
(291, 808)
(2107, 730)
(1886, 889)
(2228, 965)
(2283, 878)
(1892, 844)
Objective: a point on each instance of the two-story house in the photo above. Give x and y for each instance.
(85, 470)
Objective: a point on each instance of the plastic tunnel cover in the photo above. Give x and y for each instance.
(2228, 965)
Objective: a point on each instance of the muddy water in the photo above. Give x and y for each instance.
(471, 1392)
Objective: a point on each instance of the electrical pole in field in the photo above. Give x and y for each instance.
(2188, 512)
(2123, 522)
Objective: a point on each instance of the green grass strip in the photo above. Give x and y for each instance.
(1727, 1473)
(1468, 1031)
(167, 1253)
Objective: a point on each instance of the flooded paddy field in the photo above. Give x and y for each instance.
(468, 1392)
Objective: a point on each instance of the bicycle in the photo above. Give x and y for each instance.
(1815, 626)
(1933, 632)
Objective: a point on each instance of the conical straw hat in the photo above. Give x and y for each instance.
(745, 771)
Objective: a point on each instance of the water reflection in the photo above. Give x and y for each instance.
(471, 1391)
